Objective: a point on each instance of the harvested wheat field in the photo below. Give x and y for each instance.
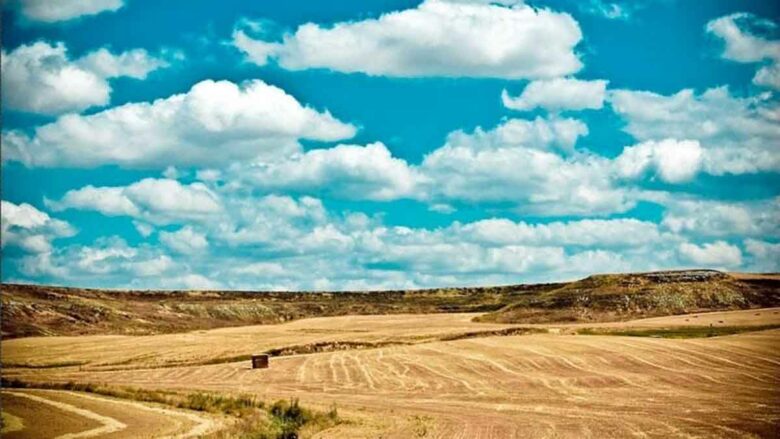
(426, 382)
(347, 332)
(224, 344)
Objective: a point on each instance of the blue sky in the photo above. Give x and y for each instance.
(386, 144)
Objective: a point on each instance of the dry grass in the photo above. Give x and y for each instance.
(605, 298)
(679, 333)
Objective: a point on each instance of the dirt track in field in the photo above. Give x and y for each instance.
(544, 385)
(52, 413)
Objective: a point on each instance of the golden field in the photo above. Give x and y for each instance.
(438, 376)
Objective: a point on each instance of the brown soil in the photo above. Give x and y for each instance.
(37, 426)
(120, 418)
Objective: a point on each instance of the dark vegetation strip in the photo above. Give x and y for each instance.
(331, 346)
(253, 418)
(276, 352)
(44, 365)
(680, 332)
(495, 333)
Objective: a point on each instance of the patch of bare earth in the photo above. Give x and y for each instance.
(32, 412)
(54, 413)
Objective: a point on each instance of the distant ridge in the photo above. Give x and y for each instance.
(609, 297)
(39, 310)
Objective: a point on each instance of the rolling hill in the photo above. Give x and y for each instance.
(34, 310)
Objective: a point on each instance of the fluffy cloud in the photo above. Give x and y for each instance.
(768, 76)
(281, 242)
(540, 133)
(764, 256)
(213, 123)
(40, 77)
(463, 258)
(719, 219)
(28, 228)
(190, 281)
(158, 201)
(482, 167)
(547, 183)
(673, 161)
(718, 254)
(476, 167)
(48, 11)
(500, 250)
(136, 63)
(437, 38)
(517, 163)
(737, 135)
(346, 171)
(108, 259)
(743, 46)
(558, 94)
(186, 241)
(281, 225)
(591, 233)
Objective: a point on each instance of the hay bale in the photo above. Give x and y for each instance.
(260, 361)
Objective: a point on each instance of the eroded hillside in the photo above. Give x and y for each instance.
(29, 310)
(611, 297)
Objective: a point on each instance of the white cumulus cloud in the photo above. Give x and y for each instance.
(158, 201)
(764, 256)
(26, 227)
(280, 242)
(520, 162)
(759, 218)
(558, 94)
(437, 38)
(41, 78)
(347, 171)
(741, 45)
(108, 259)
(50, 11)
(673, 161)
(736, 135)
(718, 254)
(136, 63)
(214, 123)
(185, 241)
(626, 232)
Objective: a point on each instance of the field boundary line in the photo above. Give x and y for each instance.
(109, 425)
(202, 426)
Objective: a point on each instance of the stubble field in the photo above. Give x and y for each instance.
(440, 376)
